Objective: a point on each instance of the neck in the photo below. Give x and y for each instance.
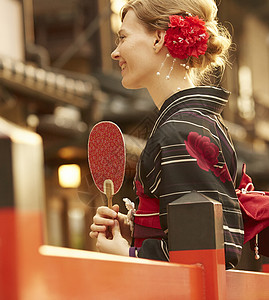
(159, 87)
(163, 89)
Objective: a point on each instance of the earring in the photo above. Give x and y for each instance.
(171, 69)
(159, 72)
(187, 67)
(184, 65)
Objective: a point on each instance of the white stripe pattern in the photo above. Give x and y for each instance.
(178, 161)
(165, 250)
(233, 230)
(175, 156)
(233, 245)
(153, 191)
(175, 145)
(155, 180)
(218, 192)
(176, 193)
(190, 123)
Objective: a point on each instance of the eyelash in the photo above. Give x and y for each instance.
(119, 39)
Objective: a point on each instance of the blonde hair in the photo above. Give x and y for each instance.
(154, 15)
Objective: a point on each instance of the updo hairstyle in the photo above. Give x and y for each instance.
(154, 15)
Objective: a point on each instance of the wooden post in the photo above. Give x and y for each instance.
(21, 171)
(6, 172)
(195, 234)
(105, 36)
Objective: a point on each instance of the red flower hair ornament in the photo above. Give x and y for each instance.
(186, 36)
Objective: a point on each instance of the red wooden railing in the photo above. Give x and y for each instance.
(31, 271)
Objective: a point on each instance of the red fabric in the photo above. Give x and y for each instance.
(138, 242)
(206, 154)
(147, 205)
(203, 150)
(150, 224)
(141, 233)
(255, 210)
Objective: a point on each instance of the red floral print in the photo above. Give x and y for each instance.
(186, 37)
(203, 150)
(206, 154)
(222, 173)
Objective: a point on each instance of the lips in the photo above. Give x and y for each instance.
(122, 65)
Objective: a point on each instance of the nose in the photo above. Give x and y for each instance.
(115, 54)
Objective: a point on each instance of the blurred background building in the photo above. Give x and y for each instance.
(57, 80)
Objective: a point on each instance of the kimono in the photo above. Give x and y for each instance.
(189, 149)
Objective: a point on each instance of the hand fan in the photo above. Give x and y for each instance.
(106, 154)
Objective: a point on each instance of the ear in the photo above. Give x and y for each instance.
(159, 40)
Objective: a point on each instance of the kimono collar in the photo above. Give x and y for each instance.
(204, 98)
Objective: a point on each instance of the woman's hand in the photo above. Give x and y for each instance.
(115, 245)
(105, 218)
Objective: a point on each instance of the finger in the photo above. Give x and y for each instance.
(106, 212)
(93, 234)
(98, 228)
(102, 221)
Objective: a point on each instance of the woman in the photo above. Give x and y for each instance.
(167, 47)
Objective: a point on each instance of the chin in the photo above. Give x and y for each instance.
(130, 85)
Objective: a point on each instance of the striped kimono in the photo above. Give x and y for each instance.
(189, 149)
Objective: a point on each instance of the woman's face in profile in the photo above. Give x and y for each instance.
(135, 53)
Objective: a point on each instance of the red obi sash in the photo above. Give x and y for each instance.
(146, 219)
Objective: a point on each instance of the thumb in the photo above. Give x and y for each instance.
(100, 238)
(116, 208)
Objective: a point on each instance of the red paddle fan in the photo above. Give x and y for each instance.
(106, 154)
